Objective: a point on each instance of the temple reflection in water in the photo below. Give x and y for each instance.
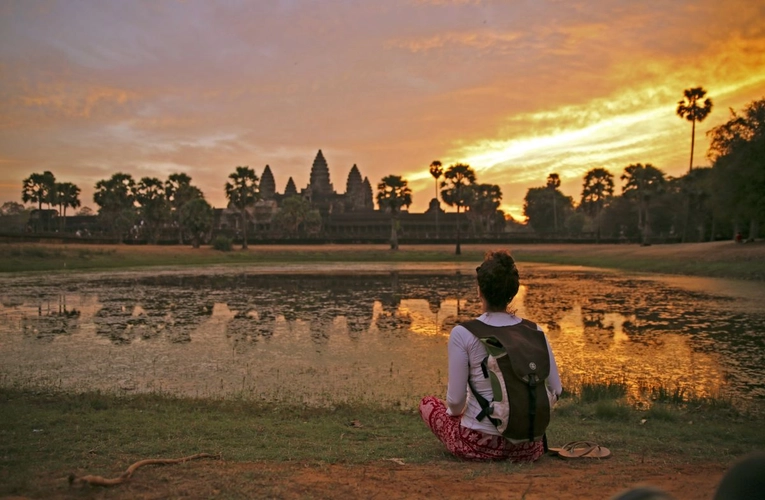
(374, 335)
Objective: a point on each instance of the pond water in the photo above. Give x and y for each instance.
(330, 333)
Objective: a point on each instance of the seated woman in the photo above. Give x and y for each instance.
(456, 422)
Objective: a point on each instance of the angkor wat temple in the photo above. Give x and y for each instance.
(348, 216)
(320, 192)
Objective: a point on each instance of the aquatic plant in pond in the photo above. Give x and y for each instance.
(375, 334)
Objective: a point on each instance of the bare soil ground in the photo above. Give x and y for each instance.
(549, 478)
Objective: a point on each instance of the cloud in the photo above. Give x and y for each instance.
(516, 88)
(474, 40)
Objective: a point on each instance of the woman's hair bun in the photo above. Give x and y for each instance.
(498, 279)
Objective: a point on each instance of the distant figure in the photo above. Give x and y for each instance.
(460, 422)
(739, 237)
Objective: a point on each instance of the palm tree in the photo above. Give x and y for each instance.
(393, 193)
(643, 183)
(242, 192)
(66, 195)
(553, 183)
(436, 171)
(38, 188)
(597, 190)
(456, 178)
(689, 109)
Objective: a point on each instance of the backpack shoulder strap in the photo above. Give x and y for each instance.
(479, 328)
(482, 330)
(530, 324)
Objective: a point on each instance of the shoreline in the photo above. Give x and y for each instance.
(716, 259)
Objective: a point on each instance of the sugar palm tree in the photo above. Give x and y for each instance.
(553, 183)
(66, 194)
(689, 109)
(393, 193)
(454, 193)
(242, 192)
(38, 188)
(436, 171)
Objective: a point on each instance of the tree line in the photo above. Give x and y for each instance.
(725, 199)
(728, 196)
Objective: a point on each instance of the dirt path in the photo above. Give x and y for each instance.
(549, 478)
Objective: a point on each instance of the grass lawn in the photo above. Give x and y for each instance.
(718, 259)
(51, 434)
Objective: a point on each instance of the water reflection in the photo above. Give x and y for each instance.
(376, 336)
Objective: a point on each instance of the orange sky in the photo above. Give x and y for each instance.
(515, 89)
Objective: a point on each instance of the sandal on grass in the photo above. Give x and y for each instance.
(581, 449)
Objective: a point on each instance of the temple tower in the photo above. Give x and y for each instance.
(369, 202)
(267, 184)
(354, 182)
(354, 190)
(320, 176)
(290, 190)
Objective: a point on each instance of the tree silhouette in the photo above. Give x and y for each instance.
(540, 209)
(11, 208)
(436, 170)
(179, 191)
(643, 184)
(393, 193)
(737, 152)
(38, 188)
(196, 216)
(454, 193)
(296, 212)
(689, 109)
(553, 183)
(242, 192)
(116, 200)
(66, 194)
(597, 190)
(154, 207)
(484, 205)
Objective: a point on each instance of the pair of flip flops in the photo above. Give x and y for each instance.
(581, 449)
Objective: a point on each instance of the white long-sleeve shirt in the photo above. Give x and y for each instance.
(465, 355)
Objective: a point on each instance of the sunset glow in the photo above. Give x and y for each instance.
(517, 91)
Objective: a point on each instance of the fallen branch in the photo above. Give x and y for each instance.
(102, 481)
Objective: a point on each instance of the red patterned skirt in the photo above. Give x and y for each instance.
(471, 444)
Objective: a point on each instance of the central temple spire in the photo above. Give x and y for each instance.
(320, 175)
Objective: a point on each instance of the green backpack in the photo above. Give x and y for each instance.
(517, 364)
